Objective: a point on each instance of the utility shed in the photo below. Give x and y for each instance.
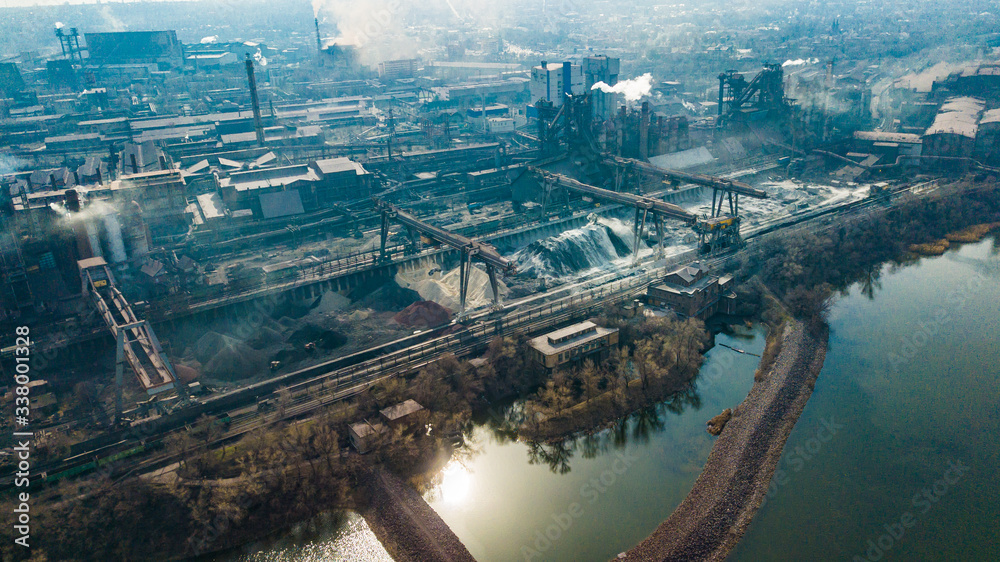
(400, 413)
(364, 435)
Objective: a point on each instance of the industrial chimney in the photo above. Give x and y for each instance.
(319, 42)
(257, 124)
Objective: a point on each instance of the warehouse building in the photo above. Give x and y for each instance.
(953, 133)
(572, 344)
(692, 292)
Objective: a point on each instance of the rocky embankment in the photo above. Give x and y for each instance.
(734, 482)
(406, 526)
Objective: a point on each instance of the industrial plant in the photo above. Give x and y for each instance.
(220, 225)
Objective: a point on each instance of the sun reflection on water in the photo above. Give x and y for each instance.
(456, 483)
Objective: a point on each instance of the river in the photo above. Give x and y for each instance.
(909, 389)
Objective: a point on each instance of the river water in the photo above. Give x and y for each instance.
(908, 397)
(909, 388)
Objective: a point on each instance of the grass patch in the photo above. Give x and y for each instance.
(974, 233)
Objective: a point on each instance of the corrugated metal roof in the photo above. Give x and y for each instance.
(281, 204)
(958, 116)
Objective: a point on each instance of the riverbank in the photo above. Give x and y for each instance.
(734, 482)
(406, 526)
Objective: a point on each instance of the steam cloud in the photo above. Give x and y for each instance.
(633, 89)
(261, 59)
(799, 62)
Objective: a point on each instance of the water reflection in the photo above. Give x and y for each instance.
(555, 455)
(517, 487)
(870, 281)
(338, 536)
(639, 427)
(456, 481)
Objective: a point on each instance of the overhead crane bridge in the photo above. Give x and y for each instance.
(136, 342)
(717, 231)
(643, 205)
(469, 249)
(721, 229)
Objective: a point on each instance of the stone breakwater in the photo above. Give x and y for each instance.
(734, 482)
(406, 526)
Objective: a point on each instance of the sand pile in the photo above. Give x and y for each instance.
(185, 373)
(329, 302)
(265, 337)
(444, 290)
(423, 314)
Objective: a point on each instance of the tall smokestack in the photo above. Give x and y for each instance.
(319, 41)
(257, 124)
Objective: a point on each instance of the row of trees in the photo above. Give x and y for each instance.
(801, 271)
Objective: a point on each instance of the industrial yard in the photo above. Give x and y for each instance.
(226, 231)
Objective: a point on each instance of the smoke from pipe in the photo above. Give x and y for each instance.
(633, 89)
(799, 62)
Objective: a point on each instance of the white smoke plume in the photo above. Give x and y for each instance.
(381, 29)
(261, 59)
(633, 89)
(210, 39)
(799, 62)
(112, 22)
(9, 164)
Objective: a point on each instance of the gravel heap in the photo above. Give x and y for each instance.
(734, 482)
(406, 526)
(423, 314)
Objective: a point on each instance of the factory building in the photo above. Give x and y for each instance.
(692, 292)
(981, 79)
(211, 60)
(953, 132)
(396, 69)
(135, 47)
(162, 195)
(987, 149)
(904, 147)
(572, 344)
(10, 79)
(551, 81)
(291, 190)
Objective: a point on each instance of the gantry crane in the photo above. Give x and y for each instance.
(146, 359)
(720, 229)
(643, 205)
(469, 249)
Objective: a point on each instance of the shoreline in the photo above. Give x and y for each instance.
(733, 483)
(408, 528)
